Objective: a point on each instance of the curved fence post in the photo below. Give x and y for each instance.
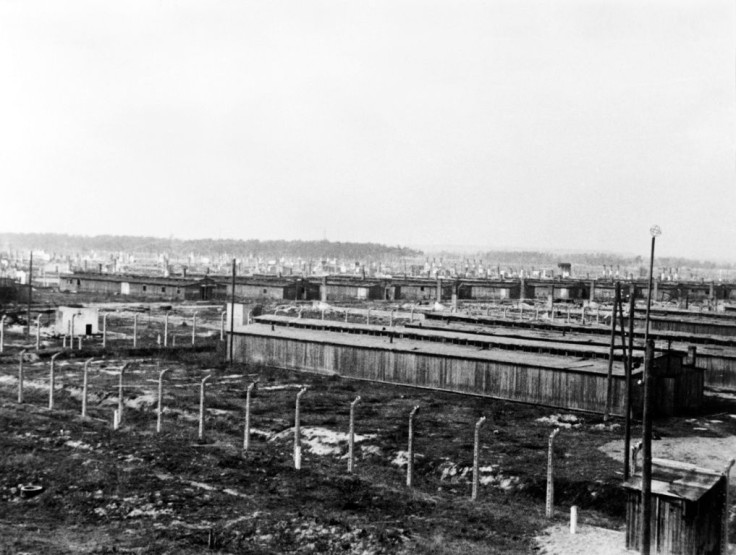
(201, 405)
(297, 431)
(135, 335)
(476, 457)
(84, 387)
(351, 436)
(194, 327)
(410, 456)
(20, 376)
(104, 330)
(120, 393)
(166, 329)
(38, 332)
(549, 510)
(246, 433)
(159, 410)
(52, 381)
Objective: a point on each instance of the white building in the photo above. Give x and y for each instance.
(85, 321)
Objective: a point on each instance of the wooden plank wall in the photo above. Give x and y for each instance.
(501, 380)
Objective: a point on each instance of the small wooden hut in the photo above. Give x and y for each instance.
(689, 509)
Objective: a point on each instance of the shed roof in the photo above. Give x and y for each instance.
(677, 480)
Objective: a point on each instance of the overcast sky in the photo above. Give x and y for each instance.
(538, 124)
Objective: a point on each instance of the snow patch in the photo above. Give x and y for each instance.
(561, 420)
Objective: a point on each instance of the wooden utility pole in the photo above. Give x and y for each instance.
(30, 295)
(609, 380)
(627, 410)
(232, 315)
(646, 470)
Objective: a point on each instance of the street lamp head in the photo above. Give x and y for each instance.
(655, 230)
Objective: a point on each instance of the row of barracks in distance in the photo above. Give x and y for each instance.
(346, 289)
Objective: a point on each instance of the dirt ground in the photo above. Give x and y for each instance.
(133, 490)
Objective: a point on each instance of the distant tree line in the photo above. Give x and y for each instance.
(530, 258)
(68, 244)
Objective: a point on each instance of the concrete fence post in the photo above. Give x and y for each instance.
(115, 419)
(38, 332)
(20, 376)
(574, 519)
(104, 330)
(79, 346)
(246, 432)
(351, 436)
(410, 455)
(550, 475)
(222, 325)
(2, 334)
(297, 431)
(166, 329)
(84, 386)
(121, 404)
(52, 381)
(201, 406)
(194, 328)
(476, 457)
(71, 331)
(160, 408)
(135, 333)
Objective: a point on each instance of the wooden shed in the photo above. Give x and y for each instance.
(678, 385)
(689, 509)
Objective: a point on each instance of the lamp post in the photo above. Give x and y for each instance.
(646, 471)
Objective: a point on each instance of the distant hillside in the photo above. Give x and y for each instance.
(69, 244)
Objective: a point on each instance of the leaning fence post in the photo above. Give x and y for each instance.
(297, 431)
(120, 393)
(135, 333)
(38, 332)
(351, 436)
(246, 433)
(550, 475)
(52, 381)
(159, 410)
(410, 456)
(194, 327)
(20, 376)
(201, 406)
(84, 387)
(476, 457)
